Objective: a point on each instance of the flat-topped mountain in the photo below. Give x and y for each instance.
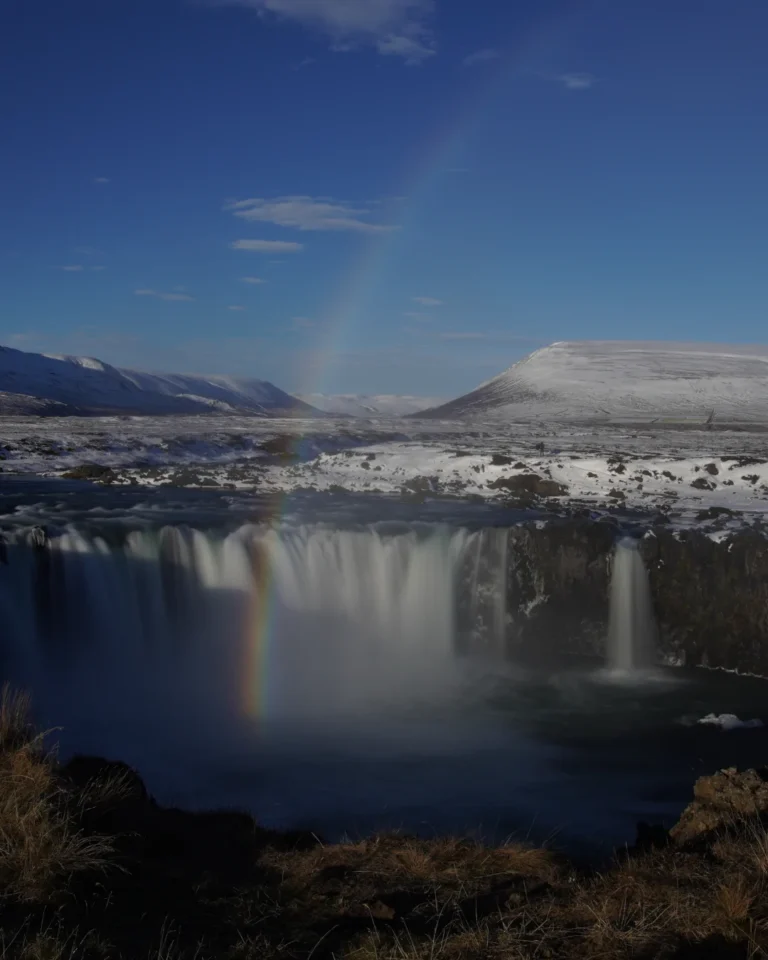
(624, 379)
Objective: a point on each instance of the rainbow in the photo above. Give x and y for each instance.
(437, 165)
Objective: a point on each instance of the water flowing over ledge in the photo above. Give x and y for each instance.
(410, 594)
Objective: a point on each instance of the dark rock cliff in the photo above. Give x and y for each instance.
(710, 598)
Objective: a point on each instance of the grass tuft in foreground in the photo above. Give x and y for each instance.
(41, 846)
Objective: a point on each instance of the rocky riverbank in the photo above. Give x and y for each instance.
(92, 867)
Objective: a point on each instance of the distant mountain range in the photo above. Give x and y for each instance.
(43, 384)
(364, 405)
(622, 380)
(576, 380)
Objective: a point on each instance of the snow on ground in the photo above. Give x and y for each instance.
(720, 478)
(672, 478)
(604, 380)
(50, 446)
(364, 405)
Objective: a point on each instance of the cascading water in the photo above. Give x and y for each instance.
(299, 621)
(309, 675)
(632, 628)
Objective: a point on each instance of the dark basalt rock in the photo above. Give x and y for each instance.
(558, 589)
(283, 446)
(529, 483)
(118, 804)
(712, 513)
(710, 598)
(91, 471)
(701, 483)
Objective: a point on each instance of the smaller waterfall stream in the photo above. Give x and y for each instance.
(632, 629)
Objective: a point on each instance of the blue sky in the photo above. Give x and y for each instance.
(398, 196)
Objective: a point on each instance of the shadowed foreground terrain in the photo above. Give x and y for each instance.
(92, 867)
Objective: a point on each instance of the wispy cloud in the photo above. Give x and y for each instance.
(393, 27)
(306, 62)
(160, 295)
(307, 214)
(101, 180)
(577, 81)
(463, 335)
(412, 49)
(267, 246)
(236, 306)
(415, 315)
(481, 56)
(80, 268)
(428, 301)
(303, 323)
(253, 281)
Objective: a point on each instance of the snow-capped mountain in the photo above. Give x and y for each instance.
(603, 380)
(363, 405)
(36, 383)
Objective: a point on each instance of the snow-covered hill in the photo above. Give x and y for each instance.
(612, 379)
(363, 405)
(35, 383)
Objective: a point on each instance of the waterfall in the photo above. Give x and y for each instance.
(343, 618)
(632, 629)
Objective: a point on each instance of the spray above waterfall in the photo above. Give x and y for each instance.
(632, 629)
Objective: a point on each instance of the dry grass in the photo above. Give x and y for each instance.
(469, 902)
(50, 939)
(40, 843)
(442, 861)
(16, 730)
(389, 897)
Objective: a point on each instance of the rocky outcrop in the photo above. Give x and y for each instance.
(719, 800)
(91, 471)
(558, 589)
(117, 803)
(710, 597)
(530, 483)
